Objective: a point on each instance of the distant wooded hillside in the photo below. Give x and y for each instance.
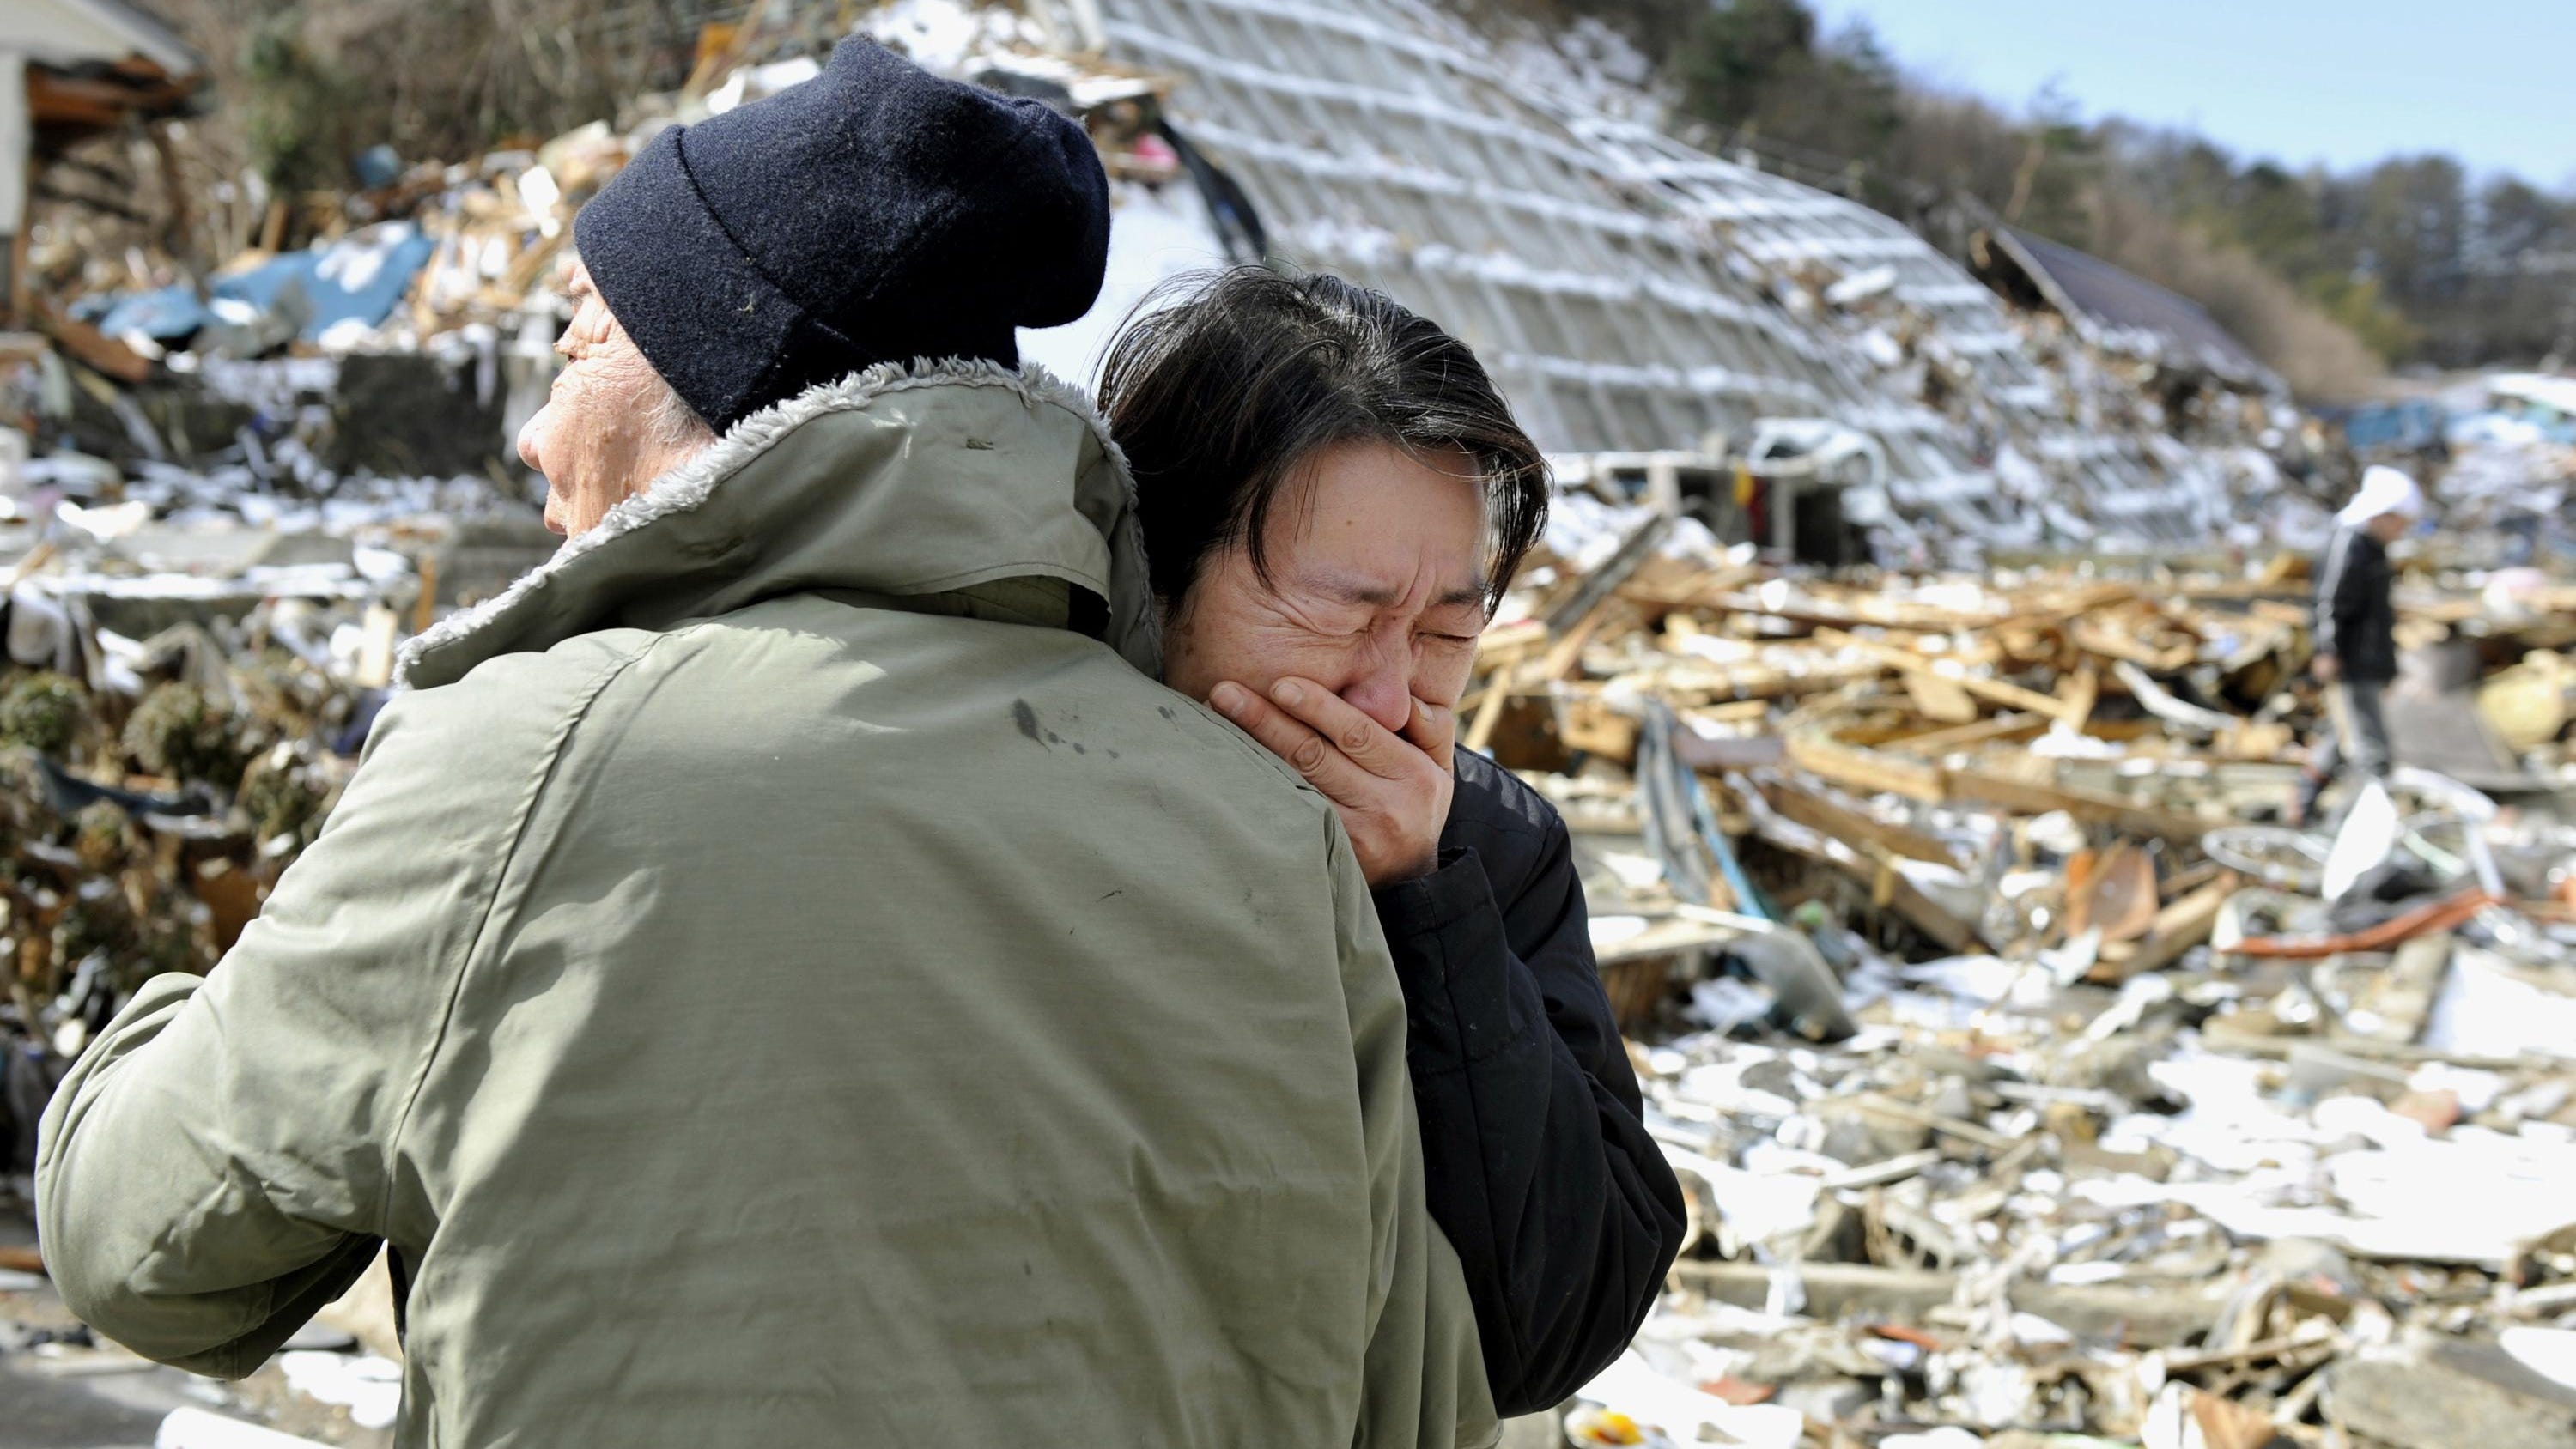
(2411, 260)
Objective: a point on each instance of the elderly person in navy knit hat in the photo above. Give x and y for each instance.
(785, 974)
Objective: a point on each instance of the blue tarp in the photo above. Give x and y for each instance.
(360, 278)
(166, 315)
(2412, 424)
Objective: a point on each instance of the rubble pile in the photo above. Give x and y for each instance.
(2031, 1081)
(155, 789)
(2512, 450)
(205, 581)
(2080, 445)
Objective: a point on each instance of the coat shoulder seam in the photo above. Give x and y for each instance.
(526, 813)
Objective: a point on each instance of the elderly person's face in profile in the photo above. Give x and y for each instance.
(611, 425)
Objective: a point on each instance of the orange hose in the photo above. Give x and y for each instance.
(2422, 921)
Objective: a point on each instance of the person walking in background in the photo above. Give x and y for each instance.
(2356, 631)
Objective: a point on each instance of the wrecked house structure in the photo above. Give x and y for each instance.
(1634, 295)
(2114, 309)
(70, 69)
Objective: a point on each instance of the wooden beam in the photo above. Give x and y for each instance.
(1521, 674)
(2011, 696)
(1939, 698)
(1866, 770)
(2033, 798)
(2081, 692)
(92, 348)
(1820, 614)
(1890, 890)
(1564, 653)
(2002, 729)
(1908, 900)
(69, 106)
(1851, 827)
(2178, 927)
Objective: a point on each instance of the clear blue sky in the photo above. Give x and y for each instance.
(2492, 82)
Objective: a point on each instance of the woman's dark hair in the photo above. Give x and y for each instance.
(1220, 394)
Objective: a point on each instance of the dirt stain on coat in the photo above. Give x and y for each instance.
(1027, 719)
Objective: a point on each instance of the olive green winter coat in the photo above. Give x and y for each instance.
(779, 979)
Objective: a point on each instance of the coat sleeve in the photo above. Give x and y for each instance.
(1541, 1171)
(217, 1165)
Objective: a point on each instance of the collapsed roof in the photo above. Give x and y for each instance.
(67, 34)
(2123, 311)
(1606, 297)
(1629, 292)
(91, 64)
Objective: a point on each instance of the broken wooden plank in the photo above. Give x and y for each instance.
(1880, 1173)
(2095, 638)
(2178, 927)
(1596, 588)
(1889, 889)
(1595, 728)
(2011, 696)
(1521, 677)
(1866, 770)
(92, 348)
(1851, 827)
(2080, 694)
(1559, 660)
(2033, 798)
(1883, 1105)
(2002, 729)
(1939, 697)
(1737, 752)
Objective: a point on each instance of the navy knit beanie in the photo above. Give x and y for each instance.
(875, 213)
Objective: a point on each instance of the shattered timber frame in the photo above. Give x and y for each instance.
(70, 70)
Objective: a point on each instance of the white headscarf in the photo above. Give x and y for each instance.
(2383, 490)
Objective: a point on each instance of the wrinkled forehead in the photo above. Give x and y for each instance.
(1381, 525)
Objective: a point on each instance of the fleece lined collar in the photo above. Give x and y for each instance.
(899, 480)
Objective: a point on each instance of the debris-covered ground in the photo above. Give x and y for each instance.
(2047, 1088)
(2033, 1081)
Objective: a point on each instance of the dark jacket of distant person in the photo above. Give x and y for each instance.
(2356, 618)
